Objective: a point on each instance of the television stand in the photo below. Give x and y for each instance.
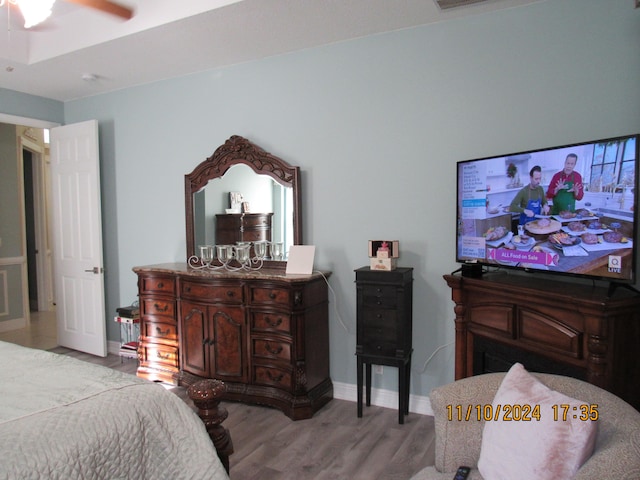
(614, 285)
(558, 327)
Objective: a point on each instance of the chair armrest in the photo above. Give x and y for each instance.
(458, 435)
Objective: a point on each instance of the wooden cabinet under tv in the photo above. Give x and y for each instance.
(264, 333)
(553, 326)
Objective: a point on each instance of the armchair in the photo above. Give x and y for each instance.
(617, 450)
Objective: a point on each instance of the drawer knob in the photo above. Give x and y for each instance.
(271, 350)
(160, 285)
(162, 333)
(187, 289)
(273, 323)
(159, 308)
(274, 378)
(272, 296)
(230, 293)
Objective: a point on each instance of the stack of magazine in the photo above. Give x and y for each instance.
(129, 320)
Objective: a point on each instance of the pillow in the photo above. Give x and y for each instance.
(552, 448)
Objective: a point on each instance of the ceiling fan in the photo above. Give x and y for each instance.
(36, 11)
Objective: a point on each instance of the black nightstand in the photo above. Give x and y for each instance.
(384, 328)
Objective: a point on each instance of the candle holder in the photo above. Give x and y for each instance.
(226, 254)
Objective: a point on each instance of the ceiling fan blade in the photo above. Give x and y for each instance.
(106, 6)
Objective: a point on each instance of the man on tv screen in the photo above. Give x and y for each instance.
(566, 187)
(530, 200)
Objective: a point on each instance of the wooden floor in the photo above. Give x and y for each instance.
(334, 444)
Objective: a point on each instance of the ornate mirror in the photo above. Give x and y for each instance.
(268, 187)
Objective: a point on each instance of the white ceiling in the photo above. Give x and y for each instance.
(170, 38)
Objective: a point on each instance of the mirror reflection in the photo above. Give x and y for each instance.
(244, 194)
(243, 200)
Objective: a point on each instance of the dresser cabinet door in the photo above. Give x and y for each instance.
(194, 338)
(212, 341)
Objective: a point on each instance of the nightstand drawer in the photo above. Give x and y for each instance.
(374, 345)
(378, 317)
(380, 296)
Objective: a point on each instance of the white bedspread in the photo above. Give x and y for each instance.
(61, 418)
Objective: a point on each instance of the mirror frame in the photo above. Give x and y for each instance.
(238, 150)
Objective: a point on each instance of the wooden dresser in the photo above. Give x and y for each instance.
(263, 333)
(243, 227)
(549, 326)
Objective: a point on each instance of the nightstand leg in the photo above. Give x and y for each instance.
(359, 375)
(402, 388)
(368, 385)
(408, 386)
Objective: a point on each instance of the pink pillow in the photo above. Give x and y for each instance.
(551, 448)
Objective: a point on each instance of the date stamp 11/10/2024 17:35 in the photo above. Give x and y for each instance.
(522, 413)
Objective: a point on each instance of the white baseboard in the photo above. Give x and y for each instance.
(382, 398)
(349, 392)
(14, 324)
(113, 347)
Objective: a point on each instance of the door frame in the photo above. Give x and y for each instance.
(44, 261)
(41, 229)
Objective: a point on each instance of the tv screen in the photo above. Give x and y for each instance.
(570, 209)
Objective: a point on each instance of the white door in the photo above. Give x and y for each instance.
(77, 238)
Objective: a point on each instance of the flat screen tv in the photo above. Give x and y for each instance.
(569, 210)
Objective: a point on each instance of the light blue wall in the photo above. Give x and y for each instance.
(376, 125)
(30, 106)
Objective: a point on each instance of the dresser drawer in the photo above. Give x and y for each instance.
(272, 376)
(249, 221)
(255, 235)
(158, 307)
(267, 348)
(157, 284)
(270, 296)
(271, 322)
(161, 356)
(158, 331)
(216, 293)
(380, 296)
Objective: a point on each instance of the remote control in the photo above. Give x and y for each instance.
(462, 473)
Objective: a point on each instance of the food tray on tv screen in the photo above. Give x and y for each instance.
(543, 226)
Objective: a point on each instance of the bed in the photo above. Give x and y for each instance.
(61, 418)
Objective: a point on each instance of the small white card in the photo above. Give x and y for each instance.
(300, 259)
